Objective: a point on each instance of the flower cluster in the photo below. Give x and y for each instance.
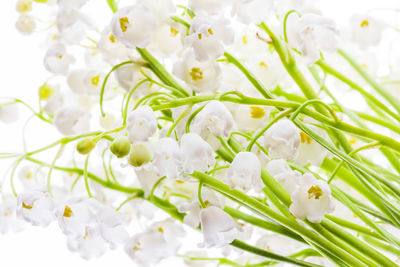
(201, 110)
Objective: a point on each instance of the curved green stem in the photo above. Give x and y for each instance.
(59, 152)
(285, 22)
(85, 175)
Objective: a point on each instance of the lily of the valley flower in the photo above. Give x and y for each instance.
(134, 25)
(57, 60)
(282, 140)
(208, 36)
(366, 31)
(8, 219)
(9, 113)
(312, 34)
(312, 199)
(281, 171)
(245, 172)
(141, 124)
(36, 207)
(197, 154)
(218, 227)
(168, 158)
(25, 24)
(72, 120)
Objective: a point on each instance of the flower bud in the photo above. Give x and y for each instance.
(121, 147)
(85, 146)
(139, 155)
(46, 91)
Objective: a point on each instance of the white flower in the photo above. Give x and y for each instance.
(310, 152)
(134, 25)
(281, 171)
(207, 37)
(282, 140)
(111, 48)
(312, 34)
(252, 11)
(312, 199)
(54, 103)
(24, 6)
(147, 178)
(72, 3)
(141, 124)
(8, 219)
(168, 158)
(36, 207)
(57, 60)
(158, 242)
(162, 9)
(25, 24)
(197, 154)
(90, 245)
(168, 38)
(366, 31)
(248, 118)
(9, 113)
(112, 227)
(72, 24)
(130, 75)
(214, 117)
(206, 6)
(72, 120)
(245, 172)
(27, 176)
(86, 81)
(218, 227)
(203, 76)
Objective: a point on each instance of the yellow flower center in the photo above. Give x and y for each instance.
(67, 212)
(364, 23)
(263, 64)
(136, 247)
(123, 23)
(24, 6)
(7, 213)
(60, 56)
(174, 32)
(25, 206)
(244, 39)
(196, 74)
(160, 229)
(257, 112)
(210, 31)
(112, 38)
(314, 192)
(95, 80)
(86, 235)
(304, 138)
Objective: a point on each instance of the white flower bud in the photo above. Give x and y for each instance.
(312, 199)
(282, 140)
(134, 25)
(245, 172)
(25, 24)
(197, 154)
(141, 124)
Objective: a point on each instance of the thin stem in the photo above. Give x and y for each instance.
(202, 204)
(85, 175)
(59, 152)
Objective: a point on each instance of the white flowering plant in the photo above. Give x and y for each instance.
(227, 119)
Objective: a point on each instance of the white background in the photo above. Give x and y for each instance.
(21, 72)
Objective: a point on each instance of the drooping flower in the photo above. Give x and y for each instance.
(312, 199)
(134, 25)
(208, 36)
(141, 124)
(36, 207)
(25, 24)
(218, 227)
(312, 34)
(8, 218)
(366, 31)
(197, 154)
(168, 158)
(57, 60)
(214, 117)
(72, 120)
(282, 140)
(245, 172)
(202, 75)
(281, 171)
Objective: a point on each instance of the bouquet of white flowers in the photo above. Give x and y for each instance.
(227, 119)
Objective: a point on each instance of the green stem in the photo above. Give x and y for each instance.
(59, 152)
(85, 175)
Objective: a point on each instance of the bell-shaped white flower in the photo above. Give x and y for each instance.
(252, 11)
(162, 9)
(366, 31)
(281, 171)
(245, 172)
(90, 245)
(54, 103)
(248, 118)
(218, 227)
(168, 38)
(112, 227)
(27, 177)
(282, 140)
(214, 117)
(134, 25)
(208, 36)
(57, 60)
(311, 34)
(147, 177)
(310, 152)
(8, 219)
(312, 199)
(9, 113)
(141, 124)
(158, 242)
(168, 158)
(197, 154)
(203, 76)
(37, 207)
(72, 24)
(25, 24)
(206, 7)
(111, 48)
(72, 120)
